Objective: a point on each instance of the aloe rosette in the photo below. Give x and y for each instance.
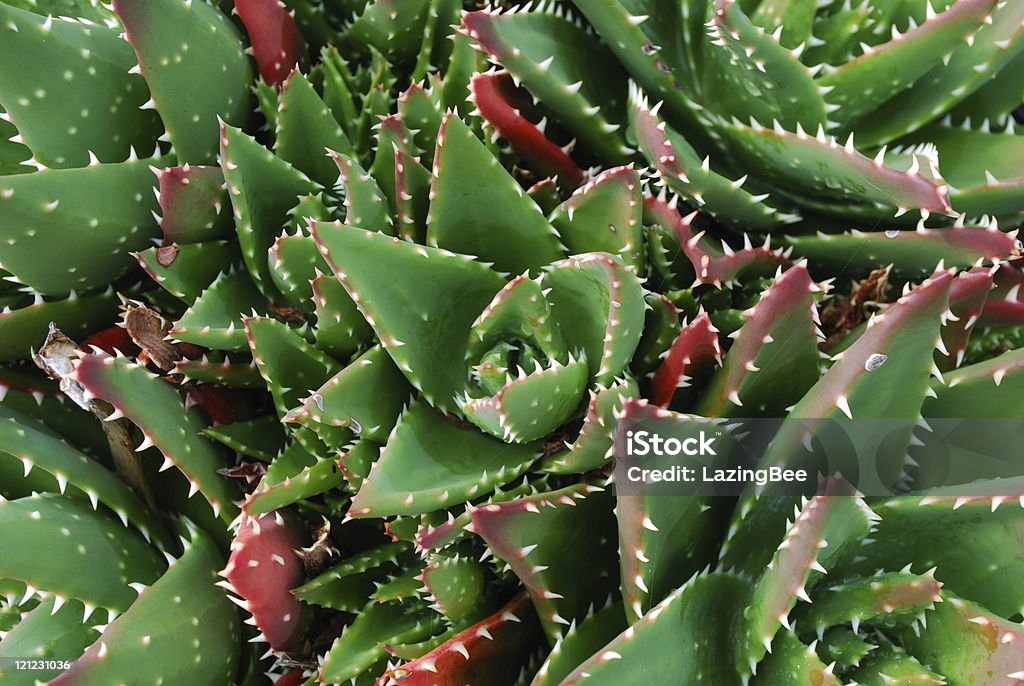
(318, 321)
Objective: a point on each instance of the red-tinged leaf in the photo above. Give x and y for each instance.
(222, 405)
(774, 358)
(549, 542)
(276, 42)
(191, 199)
(826, 528)
(495, 99)
(782, 159)
(662, 540)
(545, 194)
(894, 353)
(490, 652)
(968, 295)
(262, 569)
(110, 340)
(911, 253)
(1005, 305)
(693, 354)
(714, 265)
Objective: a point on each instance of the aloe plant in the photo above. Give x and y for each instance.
(320, 319)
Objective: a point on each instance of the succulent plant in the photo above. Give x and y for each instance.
(334, 310)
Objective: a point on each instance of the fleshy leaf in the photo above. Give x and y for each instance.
(188, 270)
(114, 556)
(49, 62)
(424, 325)
(262, 188)
(492, 651)
(747, 73)
(547, 539)
(72, 229)
(366, 206)
(25, 328)
(276, 41)
(361, 646)
(496, 103)
(564, 67)
(431, 463)
(680, 167)
(911, 253)
(340, 327)
(887, 69)
(367, 396)
(773, 359)
(963, 641)
(591, 448)
(701, 650)
(693, 355)
(157, 409)
(191, 202)
(198, 643)
(262, 569)
(215, 318)
(477, 208)
(176, 42)
(284, 357)
(306, 129)
(605, 215)
(30, 448)
(599, 306)
(825, 530)
(813, 164)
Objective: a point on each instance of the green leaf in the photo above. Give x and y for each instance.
(73, 229)
(158, 410)
(548, 541)
(361, 646)
(263, 188)
(30, 449)
(822, 534)
(478, 209)
(192, 58)
(215, 318)
(94, 562)
(700, 649)
(421, 302)
(429, 463)
(563, 66)
(306, 129)
(887, 69)
(749, 74)
(196, 643)
(291, 367)
(605, 215)
(681, 169)
(366, 396)
(186, 271)
(24, 329)
(67, 88)
(599, 305)
(773, 360)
